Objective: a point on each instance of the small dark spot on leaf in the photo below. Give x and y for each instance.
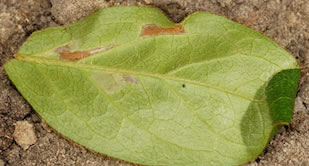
(183, 85)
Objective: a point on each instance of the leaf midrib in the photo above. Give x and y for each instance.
(39, 60)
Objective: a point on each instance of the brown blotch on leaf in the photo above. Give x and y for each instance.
(154, 30)
(73, 56)
(65, 54)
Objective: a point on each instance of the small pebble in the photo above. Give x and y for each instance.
(24, 134)
(1, 162)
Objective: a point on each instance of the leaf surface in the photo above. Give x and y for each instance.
(129, 83)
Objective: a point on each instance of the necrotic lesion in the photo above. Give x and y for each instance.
(154, 30)
(65, 54)
(77, 55)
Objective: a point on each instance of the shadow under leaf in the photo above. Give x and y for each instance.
(274, 108)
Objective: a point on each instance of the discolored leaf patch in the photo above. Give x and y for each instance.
(65, 53)
(154, 30)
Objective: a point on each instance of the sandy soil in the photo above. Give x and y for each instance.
(285, 21)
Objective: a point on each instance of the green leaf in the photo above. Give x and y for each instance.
(129, 83)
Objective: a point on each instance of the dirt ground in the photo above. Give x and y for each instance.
(285, 21)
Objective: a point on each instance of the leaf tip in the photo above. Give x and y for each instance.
(18, 56)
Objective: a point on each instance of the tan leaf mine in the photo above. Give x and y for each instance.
(65, 54)
(154, 30)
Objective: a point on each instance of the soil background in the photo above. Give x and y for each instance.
(285, 21)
